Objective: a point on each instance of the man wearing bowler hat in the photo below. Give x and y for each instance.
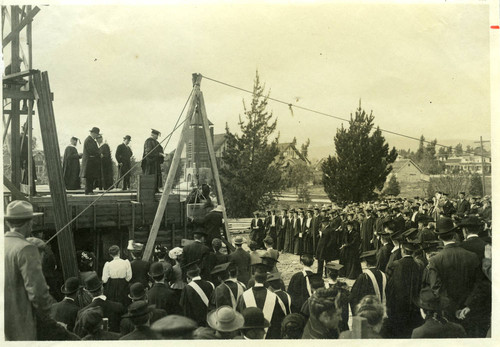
(140, 314)
(241, 259)
(198, 252)
(66, 310)
(153, 157)
(26, 294)
(110, 309)
(255, 324)
(453, 271)
(123, 155)
(91, 161)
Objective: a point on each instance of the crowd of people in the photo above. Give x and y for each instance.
(426, 274)
(97, 164)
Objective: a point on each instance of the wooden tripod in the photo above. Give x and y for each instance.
(197, 103)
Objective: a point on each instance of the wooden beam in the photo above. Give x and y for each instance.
(167, 188)
(62, 215)
(17, 94)
(16, 193)
(15, 149)
(16, 29)
(215, 169)
(9, 112)
(20, 74)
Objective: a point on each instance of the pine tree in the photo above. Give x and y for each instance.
(393, 187)
(250, 178)
(476, 185)
(362, 162)
(459, 150)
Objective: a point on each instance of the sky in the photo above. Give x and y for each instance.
(422, 68)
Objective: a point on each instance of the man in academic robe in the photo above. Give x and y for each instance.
(316, 223)
(153, 157)
(299, 287)
(123, 155)
(71, 166)
(263, 298)
(396, 237)
(275, 284)
(371, 282)
(298, 232)
(403, 288)
(349, 251)
(257, 230)
(91, 161)
(195, 297)
(271, 227)
(281, 230)
(289, 234)
(328, 246)
(106, 178)
(367, 231)
(229, 289)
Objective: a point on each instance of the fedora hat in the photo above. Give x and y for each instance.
(93, 283)
(238, 240)
(138, 308)
(71, 286)
(137, 291)
(428, 301)
(156, 269)
(127, 137)
(95, 130)
(444, 225)
(20, 209)
(225, 319)
(254, 319)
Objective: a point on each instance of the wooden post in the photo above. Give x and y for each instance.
(15, 150)
(213, 163)
(31, 189)
(54, 170)
(167, 188)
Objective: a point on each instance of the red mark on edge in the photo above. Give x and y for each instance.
(495, 27)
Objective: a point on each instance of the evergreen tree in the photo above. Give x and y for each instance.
(458, 149)
(250, 177)
(393, 187)
(362, 162)
(304, 149)
(419, 155)
(476, 185)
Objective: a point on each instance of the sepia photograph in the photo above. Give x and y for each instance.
(236, 170)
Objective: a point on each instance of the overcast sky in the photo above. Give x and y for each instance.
(422, 69)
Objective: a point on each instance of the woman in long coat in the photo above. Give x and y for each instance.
(288, 247)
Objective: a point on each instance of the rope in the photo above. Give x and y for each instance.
(169, 136)
(290, 105)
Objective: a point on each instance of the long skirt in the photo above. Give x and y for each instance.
(117, 290)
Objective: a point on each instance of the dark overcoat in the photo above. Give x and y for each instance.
(91, 160)
(71, 168)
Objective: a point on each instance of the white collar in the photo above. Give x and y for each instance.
(197, 278)
(470, 236)
(102, 297)
(448, 242)
(395, 249)
(306, 268)
(258, 285)
(74, 146)
(68, 298)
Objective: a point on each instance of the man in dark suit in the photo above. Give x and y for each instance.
(66, 310)
(471, 227)
(241, 259)
(453, 271)
(463, 205)
(123, 155)
(91, 161)
(110, 309)
(195, 297)
(213, 223)
(399, 221)
(197, 252)
(138, 293)
(448, 208)
(160, 294)
(257, 230)
(139, 267)
(140, 314)
(396, 237)
(153, 157)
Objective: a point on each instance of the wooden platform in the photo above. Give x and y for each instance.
(115, 209)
